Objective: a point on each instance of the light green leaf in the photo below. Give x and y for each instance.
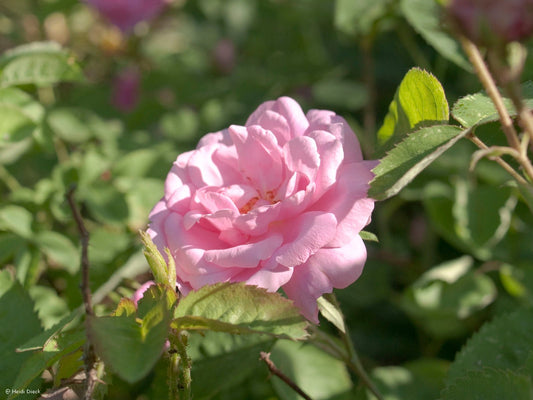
(50, 306)
(317, 373)
(70, 124)
(426, 17)
(247, 307)
(410, 157)
(59, 249)
(16, 130)
(419, 101)
(444, 297)
(503, 343)
(329, 308)
(490, 384)
(368, 236)
(17, 220)
(478, 108)
(38, 63)
(129, 348)
(473, 218)
(360, 18)
(25, 102)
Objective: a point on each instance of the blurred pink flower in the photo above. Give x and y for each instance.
(125, 90)
(125, 14)
(487, 22)
(277, 203)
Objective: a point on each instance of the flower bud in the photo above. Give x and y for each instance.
(492, 22)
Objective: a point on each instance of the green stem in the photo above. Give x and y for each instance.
(179, 371)
(348, 354)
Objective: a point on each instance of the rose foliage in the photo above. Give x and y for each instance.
(276, 203)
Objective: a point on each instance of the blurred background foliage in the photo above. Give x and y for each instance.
(453, 247)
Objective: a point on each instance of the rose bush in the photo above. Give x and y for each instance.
(277, 203)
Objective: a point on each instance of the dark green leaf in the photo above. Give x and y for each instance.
(504, 343)
(489, 384)
(403, 163)
(18, 324)
(426, 17)
(129, 348)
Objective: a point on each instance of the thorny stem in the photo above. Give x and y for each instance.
(275, 371)
(492, 90)
(89, 355)
(179, 372)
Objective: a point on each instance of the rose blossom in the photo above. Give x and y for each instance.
(125, 14)
(277, 203)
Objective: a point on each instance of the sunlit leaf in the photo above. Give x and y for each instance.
(39, 64)
(419, 101)
(247, 307)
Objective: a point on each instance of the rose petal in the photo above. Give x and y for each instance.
(325, 270)
(304, 236)
(246, 255)
(289, 109)
(301, 155)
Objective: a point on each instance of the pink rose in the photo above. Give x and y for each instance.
(277, 203)
(125, 14)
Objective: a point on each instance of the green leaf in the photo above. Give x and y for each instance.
(420, 379)
(246, 307)
(410, 157)
(19, 324)
(54, 349)
(25, 102)
(70, 124)
(473, 218)
(317, 373)
(39, 64)
(490, 384)
(368, 236)
(17, 220)
(16, 132)
(238, 355)
(504, 343)
(360, 18)
(444, 297)
(164, 273)
(50, 306)
(478, 108)
(59, 249)
(329, 308)
(419, 101)
(129, 348)
(426, 17)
